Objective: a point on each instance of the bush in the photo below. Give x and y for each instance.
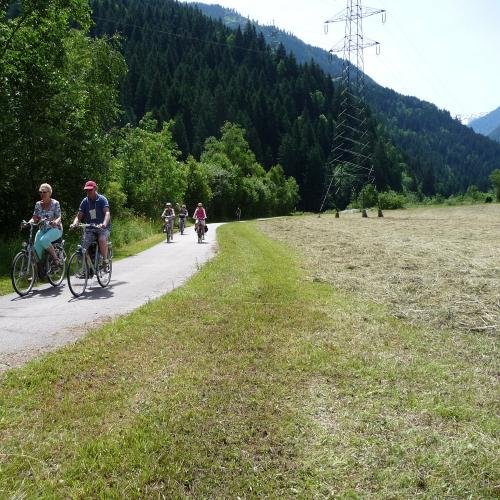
(390, 200)
(367, 197)
(116, 197)
(129, 230)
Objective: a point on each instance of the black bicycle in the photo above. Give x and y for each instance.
(201, 229)
(168, 228)
(85, 264)
(182, 224)
(24, 274)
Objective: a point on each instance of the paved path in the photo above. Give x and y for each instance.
(50, 317)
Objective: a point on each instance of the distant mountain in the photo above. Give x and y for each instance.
(495, 135)
(447, 155)
(487, 123)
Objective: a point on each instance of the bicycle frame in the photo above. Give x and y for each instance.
(182, 224)
(92, 262)
(29, 246)
(24, 270)
(88, 264)
(169, 226)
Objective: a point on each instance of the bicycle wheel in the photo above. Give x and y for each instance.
(22, 274)
(200, 233)
(104, 271)
(55, 275)
(77, 274)
(181, 226)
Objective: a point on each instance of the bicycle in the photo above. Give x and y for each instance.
(23, 273)
(169, 227)
(182, 224)
(200, 230)
(87, 263)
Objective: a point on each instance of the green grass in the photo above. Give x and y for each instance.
(251, 381)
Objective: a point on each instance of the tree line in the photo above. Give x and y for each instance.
(186, 67)
(61, 122)
(442, 156)
(157, 102)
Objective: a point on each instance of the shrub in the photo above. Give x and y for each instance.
(390, 200)
(368, 196)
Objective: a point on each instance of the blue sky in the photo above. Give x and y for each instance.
(443, 51)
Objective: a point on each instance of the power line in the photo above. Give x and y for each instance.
(176, 35)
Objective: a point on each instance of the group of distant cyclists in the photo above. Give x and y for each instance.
(168, 215)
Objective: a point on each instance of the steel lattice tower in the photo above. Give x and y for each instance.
(350, 163)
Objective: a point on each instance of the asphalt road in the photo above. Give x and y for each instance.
(50, 317)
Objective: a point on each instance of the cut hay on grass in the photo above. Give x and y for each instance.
(433, 266)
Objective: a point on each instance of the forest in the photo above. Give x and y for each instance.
(444, 156)
(157, 102)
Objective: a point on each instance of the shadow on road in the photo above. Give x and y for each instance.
(48, 291)
(52, 291)
(95, 291)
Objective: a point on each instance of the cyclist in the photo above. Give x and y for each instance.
(169, 216)
(47, 210)
(94, 209)
(183, 213)
(199, 216)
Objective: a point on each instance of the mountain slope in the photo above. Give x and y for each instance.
(445, 156)
(186, 67)
(303, 52)
(487, 123)
(495, 135)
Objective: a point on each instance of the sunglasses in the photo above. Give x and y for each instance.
(41, 192)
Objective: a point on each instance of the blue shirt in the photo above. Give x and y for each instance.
(93, 210)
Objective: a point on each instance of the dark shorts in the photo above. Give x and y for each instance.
(91, 234)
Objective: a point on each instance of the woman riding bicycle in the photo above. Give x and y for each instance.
(47, 212)
(199, 216)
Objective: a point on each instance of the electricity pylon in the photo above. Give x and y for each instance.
(350, 164)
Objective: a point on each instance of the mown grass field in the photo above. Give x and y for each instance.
(436, 266)
(254, 380)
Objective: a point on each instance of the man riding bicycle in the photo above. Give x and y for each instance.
(94, 209)
(169, 215)
(183, 214)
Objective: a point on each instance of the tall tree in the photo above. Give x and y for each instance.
(57, 101)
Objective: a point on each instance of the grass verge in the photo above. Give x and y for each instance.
(251, 381)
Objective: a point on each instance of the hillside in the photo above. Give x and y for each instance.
(186, 67)
(495, 135)
(487, 123)
(445, 156)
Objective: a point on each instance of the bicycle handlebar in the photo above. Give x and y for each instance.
(26, 223)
